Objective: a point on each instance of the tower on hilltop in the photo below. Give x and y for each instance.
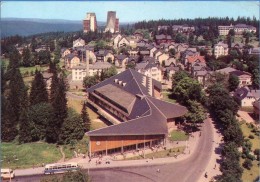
(90, 23)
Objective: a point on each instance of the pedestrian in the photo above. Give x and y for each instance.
(215, 166)
(206, 175)
(200, 133)
(158, 170)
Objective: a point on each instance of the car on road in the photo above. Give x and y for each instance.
(7, 173)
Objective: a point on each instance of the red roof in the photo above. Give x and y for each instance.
(192, 59)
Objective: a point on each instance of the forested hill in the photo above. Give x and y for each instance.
(211, 21)
(25, 27)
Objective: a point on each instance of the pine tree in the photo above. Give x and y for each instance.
(85, 117)
(25, 127)
(8, 128)
(54, 85)
(14, 59)
(72, 128)
(59, 105)
(15, 96)
(27, 57)
(38, 91)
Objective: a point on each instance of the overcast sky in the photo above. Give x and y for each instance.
(128, 11)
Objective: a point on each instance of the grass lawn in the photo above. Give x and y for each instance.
(32, 69)
(28, 154)
(5, 61)
(246, 132)
(77, 105)
(160, 154)
(178, 136)
(167, 97)
(250, 175)
(79, 147)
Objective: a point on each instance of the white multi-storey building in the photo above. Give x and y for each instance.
(220, 49)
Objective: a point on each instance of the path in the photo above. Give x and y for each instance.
(245, 116)
(189, 167)
(63, 155)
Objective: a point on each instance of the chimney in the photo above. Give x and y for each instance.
(87, 62)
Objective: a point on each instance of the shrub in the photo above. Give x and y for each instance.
(251, 136)
(244, 156)
(251, 157)
(247, 164)
(257, 151)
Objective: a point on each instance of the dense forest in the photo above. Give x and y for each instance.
(197, 22)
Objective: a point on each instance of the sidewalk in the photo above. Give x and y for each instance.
(191, 145)
(213, 167)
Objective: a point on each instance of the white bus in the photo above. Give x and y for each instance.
(60, 168)
(7, 173)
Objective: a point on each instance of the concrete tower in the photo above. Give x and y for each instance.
(90, 23)
(112, 22)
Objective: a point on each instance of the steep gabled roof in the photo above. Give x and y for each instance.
(147, 115)
(134, 82)
(192, 59)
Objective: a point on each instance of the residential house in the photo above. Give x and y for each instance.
(157, 53)
(163, 39)
(123, 42)
(65, 52)
(245, 78)
(79, 42)
(220, 49)
(115, 40)
(191, 60)
(71, 60)
(183, 28)
(150, 69)
(121, 60)
(170, 62)
(152, 49)
(239, 29)
(79, 72)
(247, 96)
(138, 36)
(104, 56)
(163, 57)
(254, 51)
(170, 71)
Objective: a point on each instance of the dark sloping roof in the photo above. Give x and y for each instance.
(239, 73)
(147, 115)
(152, 124)
(169, 110)
(117, 95)
(244, 92)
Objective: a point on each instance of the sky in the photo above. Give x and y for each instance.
(128, 11)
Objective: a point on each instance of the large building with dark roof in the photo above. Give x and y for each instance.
(141, 118)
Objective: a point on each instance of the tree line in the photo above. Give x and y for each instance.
(197, 22)
(33, 114)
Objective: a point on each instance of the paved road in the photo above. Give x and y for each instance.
(188, 170)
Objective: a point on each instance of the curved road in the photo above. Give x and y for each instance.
(187, 170)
